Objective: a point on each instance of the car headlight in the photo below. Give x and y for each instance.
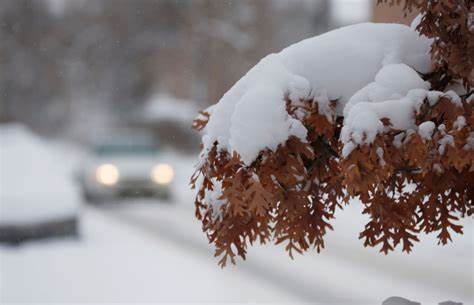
(107, 174)
(162, 174)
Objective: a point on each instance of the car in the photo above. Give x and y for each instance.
(38, 198)
(125, 166)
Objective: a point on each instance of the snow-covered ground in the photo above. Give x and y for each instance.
(116, 263)
(345, 272)
(152, 251)
(148, 252)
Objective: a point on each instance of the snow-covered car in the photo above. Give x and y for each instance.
(38, 198)
(123, 167)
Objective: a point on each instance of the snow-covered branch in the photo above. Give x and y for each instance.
(331, 118)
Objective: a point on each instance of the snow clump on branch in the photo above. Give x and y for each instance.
(252, 117)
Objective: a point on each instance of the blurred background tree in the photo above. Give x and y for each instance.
(67, 63)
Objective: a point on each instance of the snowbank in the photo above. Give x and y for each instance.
(35, 182)
(252, 116)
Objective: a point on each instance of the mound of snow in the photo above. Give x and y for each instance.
(426, 129)
(391, 82)
(364, 120)
(268, 131)
(396, 93)
(338, 63)
(35, 184)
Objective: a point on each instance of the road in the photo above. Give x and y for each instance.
(150, 251)
(343, 273)
(187, 235)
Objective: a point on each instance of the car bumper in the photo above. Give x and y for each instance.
(129, 189)
(141, 191)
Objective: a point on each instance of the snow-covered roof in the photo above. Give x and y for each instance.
(163, 107)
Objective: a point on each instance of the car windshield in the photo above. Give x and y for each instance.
(125, 149)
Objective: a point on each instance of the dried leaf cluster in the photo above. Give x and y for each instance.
(407, 183)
